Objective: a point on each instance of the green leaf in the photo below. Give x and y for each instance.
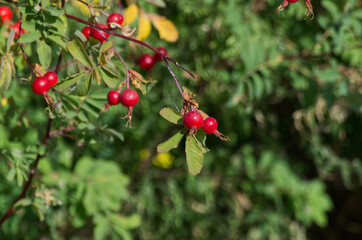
(171, 115)
(44, 53)
(259, 86)
(54, 10)
(157, 3)
(58, 40)
(102, 228)
(171, 143)
(84, 86)
(70, 81)
(80, 35)
(109, 78)
(7, 72)
(10, 40)
(130, 222)
(29, 37)
(194, 155)
(105, 47)
(11, 174)
(77, 50)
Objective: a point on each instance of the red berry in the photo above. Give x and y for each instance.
(210, 125)
(292, 1)
(5, 14)
(193, 119)
(40, 85)
(16, 26)
(116, 18)
(146, 62)
(87, 31)
(97, 33)
(52, 78)
(129, 98)
(113, 97)
(162, 51)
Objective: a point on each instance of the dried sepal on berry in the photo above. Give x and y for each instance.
(129, 98)
(309, 6)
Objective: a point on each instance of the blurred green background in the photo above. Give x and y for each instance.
(286, 90)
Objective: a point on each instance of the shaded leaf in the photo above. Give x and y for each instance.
(44, 53)
(77, 50)
(171, 115)
(109, 77)
(70, 81)
(83, 86)
(171, 143)
(58, 40)
(29, 37)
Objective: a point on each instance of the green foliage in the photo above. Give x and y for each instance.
(287, 90)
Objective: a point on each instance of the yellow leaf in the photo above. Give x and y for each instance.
(165, 27)
(144, 27)
(130, 14)
(82, 8)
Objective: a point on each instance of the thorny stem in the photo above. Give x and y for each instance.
(132, 40)
(30, 176)
(174, 77)
(124, 63)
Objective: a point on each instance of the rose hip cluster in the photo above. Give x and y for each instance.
(5, 16)
(147, 61)
(41, 85)
(114, 20)
(128, 98)
(194, 120)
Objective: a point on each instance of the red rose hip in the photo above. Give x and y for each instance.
(5, 14)
(40, 85)
(292, 1)
(87, 31)
(113, 97)
(115, 19)
(210, 125)
(129, 98)
(52, 78)
(193, 119)
(146, 62)
(162, 51)
(95, 33)
(16, 26)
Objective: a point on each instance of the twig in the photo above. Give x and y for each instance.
(174, 77)
(124, 63)
(22, 50)
(132, 40)
(30, 176)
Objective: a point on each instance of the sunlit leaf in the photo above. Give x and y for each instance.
(130, 14)
(171, 115)
(194, 155)
(165, 27)
(144, 27)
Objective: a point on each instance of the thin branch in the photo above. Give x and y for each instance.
(58, 63)
(124, 63)
(132, 40)
(22, 50)
(174, 77)
(30, 176)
